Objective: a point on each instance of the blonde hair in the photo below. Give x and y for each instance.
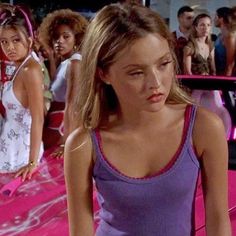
(114, 28)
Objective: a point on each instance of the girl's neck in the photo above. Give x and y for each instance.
(68, 55)
(185, 31)
(138, 120)
(19, 62)
(201, 39)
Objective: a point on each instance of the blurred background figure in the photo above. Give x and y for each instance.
(231, 44)
(199, 60)
(61, 32)
(199, 51)
(225, 44)
(185, 17)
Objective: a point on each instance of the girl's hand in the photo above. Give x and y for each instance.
(26, 171)
(59, 152)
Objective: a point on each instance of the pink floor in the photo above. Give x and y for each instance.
(38, 207)
(200, 229)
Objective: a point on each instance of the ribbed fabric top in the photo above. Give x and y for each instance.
(158, 205)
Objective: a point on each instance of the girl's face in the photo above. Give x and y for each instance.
(64, 41)
(15, 46)
(142, 75)
(203, 27)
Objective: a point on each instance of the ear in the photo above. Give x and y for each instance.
(30, 39)
(100, 73)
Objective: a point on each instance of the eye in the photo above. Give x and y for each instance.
(165, 64)
(66, 36)
(3, 42)
(136, 73)
(16, 40)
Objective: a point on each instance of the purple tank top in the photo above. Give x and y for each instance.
(159, 205)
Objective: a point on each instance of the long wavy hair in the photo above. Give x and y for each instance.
(194, 34)
(114, 28)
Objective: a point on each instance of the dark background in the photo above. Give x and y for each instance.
(40, 8)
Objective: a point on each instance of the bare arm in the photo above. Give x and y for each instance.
(210, 143)
(187, 59)
(78, 176)
(213, 67)
(72, 74)
(230, 45)
(33, 83)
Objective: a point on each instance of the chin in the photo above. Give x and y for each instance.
(155, 107)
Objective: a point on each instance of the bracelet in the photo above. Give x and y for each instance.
(32, 164)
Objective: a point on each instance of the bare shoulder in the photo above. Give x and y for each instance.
(208, 130)
(78, 137)
(32, 69)
(32, 66)
(75, 62)
(207, 120)
(79, 146)
(75, 65)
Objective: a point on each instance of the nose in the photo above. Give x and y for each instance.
(10, 46)
(154, 80)
(60, 39)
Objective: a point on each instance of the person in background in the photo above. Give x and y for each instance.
(185, 17)
(231, 44)
(199, 60)
(225, 46)
(22, 97)
(221, 21)
(199, 51)
(62, 32)
(139, 136)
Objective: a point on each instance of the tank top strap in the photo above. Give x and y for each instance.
(20, 66)
(95, 142)
(191, 116)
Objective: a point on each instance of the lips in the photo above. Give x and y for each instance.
(60, 48)
(157, 97)
(11, 54)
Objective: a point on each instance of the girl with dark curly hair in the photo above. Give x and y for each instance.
(61, 32)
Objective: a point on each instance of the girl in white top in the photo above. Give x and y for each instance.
(62, 32)
(21, 133)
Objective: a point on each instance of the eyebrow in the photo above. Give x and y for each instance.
(66, 32)
(140, 65)
(14, 36)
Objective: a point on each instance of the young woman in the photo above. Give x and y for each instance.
(22, 97)
(199, 52)
(139, 136)
(62, 32)
(199, 60)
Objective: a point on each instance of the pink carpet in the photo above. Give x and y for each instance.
(38, 207)
(200, 218)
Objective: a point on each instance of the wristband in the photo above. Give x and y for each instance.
(32, 164)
